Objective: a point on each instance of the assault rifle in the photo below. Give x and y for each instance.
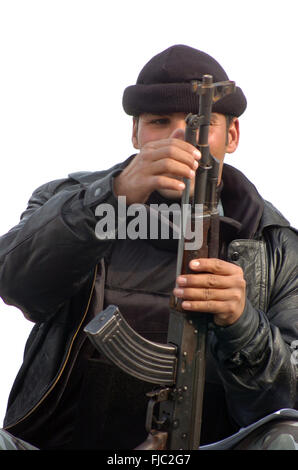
(174, 413)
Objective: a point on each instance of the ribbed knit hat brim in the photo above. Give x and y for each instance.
(163, 85)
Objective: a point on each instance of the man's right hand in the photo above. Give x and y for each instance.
(160, 165)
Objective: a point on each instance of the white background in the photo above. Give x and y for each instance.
(64, 65)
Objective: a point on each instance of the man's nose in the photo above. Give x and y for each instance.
(178, 129)
(178, 133)
(179, 124)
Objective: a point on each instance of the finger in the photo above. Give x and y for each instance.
(177, 146)
(207, 281)
(208, 295)
(165, 182)
(170, 167)
(211, 306)
(224, 313)
(221, 315)
(215, 266)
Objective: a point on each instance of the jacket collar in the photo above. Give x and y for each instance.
(243, 203)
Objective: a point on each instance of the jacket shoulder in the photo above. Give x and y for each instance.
(82, 178)
(272, 217)
(85, 177)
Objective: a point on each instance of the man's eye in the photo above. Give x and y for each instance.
(160, 121)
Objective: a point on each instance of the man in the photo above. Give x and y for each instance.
(58, 272)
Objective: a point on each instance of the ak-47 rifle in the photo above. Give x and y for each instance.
(178, 367)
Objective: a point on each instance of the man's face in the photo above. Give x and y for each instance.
(151, 127)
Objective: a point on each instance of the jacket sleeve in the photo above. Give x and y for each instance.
(47, 256)
(255, 355)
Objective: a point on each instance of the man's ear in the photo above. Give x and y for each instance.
(135, 124)
(233, 136)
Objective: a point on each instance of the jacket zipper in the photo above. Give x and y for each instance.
(65, 362)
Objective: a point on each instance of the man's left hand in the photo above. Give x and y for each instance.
(216, 287)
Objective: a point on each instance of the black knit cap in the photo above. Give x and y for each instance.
(163, 85)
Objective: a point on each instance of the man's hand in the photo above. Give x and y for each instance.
(160, 165)
(216, 287)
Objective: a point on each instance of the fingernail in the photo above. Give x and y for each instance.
(181, 185)
(192, 173)
(197, 154)
(178, 292)
(186, 305)
(195, 164)
(181, 281)
(195, 264)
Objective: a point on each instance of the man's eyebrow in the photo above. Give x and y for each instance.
(160, 114)
(156, 114)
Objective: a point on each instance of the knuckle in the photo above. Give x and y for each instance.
(237, 296)
(168, 164)
(158, 181)
(231, 307)
(212, 280)
(170, 151)
(238, 270)
(223, 317)
(240, 282)
(243, 283)
(206, 294)
(145, 156)
(218, 264)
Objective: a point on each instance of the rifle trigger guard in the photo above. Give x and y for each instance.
(156, 396)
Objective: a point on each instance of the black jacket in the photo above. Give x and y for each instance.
(50, 260)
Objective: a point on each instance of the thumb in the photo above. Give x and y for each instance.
(178, 134)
